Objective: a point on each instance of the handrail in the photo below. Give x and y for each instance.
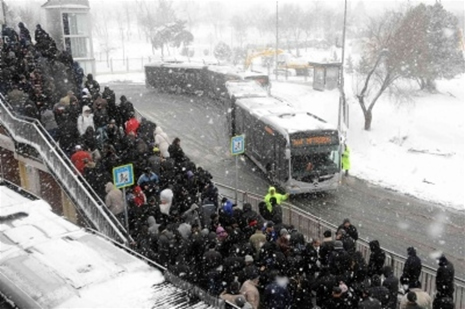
(312, 226)
(34, 135)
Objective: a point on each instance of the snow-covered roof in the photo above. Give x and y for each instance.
(48, 262)
(282, 116)
(245, 88)
(224, 69)
(68, 4)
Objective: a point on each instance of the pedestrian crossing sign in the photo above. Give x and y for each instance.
(123, 176)
(237, 145)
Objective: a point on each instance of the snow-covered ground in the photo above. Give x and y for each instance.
(416, 148)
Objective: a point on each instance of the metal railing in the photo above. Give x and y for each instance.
(33, 134)
(313, 227)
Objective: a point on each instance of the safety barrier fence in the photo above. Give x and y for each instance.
(313, 227)
(31, 132)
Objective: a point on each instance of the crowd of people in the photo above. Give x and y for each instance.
(176, 216)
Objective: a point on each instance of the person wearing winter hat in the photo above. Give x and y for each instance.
(85, 120)
(283, 242)
(338, 245)
(327, 245)
(350, 229)
(445, 278)
(166, 199)
(412, 269)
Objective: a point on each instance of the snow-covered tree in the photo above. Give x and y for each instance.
(428, 41)
(171, 34)
(222, 51)
(423, 44)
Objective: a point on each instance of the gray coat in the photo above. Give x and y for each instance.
(114, 199)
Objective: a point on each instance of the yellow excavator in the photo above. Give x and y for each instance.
(285, 60)
(264, 53)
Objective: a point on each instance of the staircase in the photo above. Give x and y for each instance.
(87, 203)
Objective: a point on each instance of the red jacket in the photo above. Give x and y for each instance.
(139, 196)
(132, 125)
(79, 158)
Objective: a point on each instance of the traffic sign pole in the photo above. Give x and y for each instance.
(126, 216)
(123, 176)
(237, 177)
(237, 148)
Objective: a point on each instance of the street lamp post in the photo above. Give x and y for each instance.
(343, 111)
(277, 42)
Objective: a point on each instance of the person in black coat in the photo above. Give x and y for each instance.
(68, 135)
(369, 302)
(444, 303)
(377, 258)
(276, 294)
(347, 241)
(145, 131)
(92, 85)
(248, 215)
(323, 286)
(359, 268)
(125, 109)
(176, 152)
(350, 229)
(101, 118)
(165, 245)
(327, 245)
(24, 35)
(412, 268)
(378, 291)
(445, 278)
(339, 259)
(211, 258)
(339, 300)
(392, 284)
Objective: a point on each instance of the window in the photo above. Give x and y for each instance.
(76, 34)
(315, 161)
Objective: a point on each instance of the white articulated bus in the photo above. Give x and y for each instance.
(298, 151)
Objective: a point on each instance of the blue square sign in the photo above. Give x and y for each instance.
(123, 176)
(237, 145)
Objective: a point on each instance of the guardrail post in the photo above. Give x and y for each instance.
(111, 65)
(127, 64)
(142, 63)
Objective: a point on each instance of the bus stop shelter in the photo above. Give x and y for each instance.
(325, 75)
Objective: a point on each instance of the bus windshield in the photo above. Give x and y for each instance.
(313, 162)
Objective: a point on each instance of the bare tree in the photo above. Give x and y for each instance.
(379, 67)
(240, 26)
(101, 20)
(290, 23)
(215, 15)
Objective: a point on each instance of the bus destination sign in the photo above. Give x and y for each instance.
(311, 141)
